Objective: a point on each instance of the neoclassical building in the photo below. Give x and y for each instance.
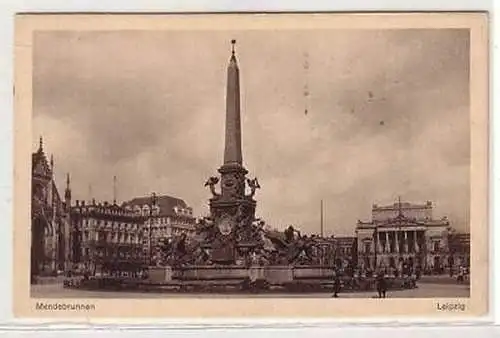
(106, 237)
(403, 233)
(164, 217)
(50, 217)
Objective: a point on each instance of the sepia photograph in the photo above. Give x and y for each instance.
(334, 158)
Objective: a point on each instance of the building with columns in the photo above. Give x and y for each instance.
(50, 218)
(403, 233)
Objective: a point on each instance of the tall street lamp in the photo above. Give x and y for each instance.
(153, 203)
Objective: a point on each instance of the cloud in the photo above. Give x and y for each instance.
(388, 115)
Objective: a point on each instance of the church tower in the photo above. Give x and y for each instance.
(68, 233)
(67, 194)
(232, 211)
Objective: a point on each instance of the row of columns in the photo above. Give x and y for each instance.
(386, 247)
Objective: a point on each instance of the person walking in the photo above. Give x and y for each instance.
(381, 285)
(460, 277)
(336, 285)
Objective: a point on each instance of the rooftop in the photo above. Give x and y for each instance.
(167, 204)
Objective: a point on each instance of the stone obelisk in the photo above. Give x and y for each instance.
(232, 211)
(232, 150)
(232, 171)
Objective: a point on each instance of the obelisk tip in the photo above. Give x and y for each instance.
(233, 42)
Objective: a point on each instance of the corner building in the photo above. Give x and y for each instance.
(106, 237)
(164, 217)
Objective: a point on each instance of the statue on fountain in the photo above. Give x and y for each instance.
(253, 185)
(178, 251)
(294, 248)
(212, 182)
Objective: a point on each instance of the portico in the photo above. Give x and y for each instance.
(393, 241)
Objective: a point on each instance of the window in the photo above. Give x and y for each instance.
(367, 247)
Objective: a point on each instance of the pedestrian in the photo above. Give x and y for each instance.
(460, 277)
(336, 285)
(381, 286)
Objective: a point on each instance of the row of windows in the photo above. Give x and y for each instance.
(112, 237)
(160, 221)
(100, 253)
(101, 209)
(185, 212)
(110, 224)
(345, 251)
(168, 230)
(146, 210)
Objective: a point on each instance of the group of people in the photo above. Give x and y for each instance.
(381, 284)
(462, 274)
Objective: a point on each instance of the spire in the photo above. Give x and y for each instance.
(40, 144)
(232, 151)
(67, 193)
(52, 166)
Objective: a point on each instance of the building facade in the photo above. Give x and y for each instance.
(50, 219)
(106, 238)
(403, 234)
(164, 217)
(345, 251)
(459, 250)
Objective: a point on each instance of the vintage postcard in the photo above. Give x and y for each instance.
(251, 166)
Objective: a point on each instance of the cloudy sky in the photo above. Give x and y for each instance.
(387, 115)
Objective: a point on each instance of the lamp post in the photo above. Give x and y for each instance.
(375, 245)
(153, 203)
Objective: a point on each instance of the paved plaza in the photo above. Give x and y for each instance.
(424, 290)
